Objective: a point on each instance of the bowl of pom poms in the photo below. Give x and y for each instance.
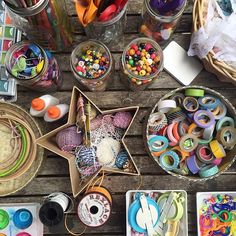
(191, 133)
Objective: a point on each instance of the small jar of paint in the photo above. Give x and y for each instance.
(22, 218)
(160, 18)
(92, 65)
(33, 67)
(4, 219)
(142, 61)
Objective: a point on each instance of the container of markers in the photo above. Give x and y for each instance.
(108, 31)
(160, 18)
(92, 65)
(191, 133)
(33, 67)
(142, 61)
(43, 21)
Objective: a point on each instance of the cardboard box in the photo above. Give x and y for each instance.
(48, 141)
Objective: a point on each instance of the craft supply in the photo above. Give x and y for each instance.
(69, 139)
(215, 213)
(56, 112)
(20, 219)
(122, 119)
(153, 212)
(54, 207)
(159, 23)
(44, 22)
(33, 67)
(92, 64)
(86, 161)
(122, 159)
(107, 151)
(40, 105)
(142, 61)
(157, 121)
(94, 209)
(201, 126)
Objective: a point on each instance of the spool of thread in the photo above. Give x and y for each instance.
(54, 207)
(94, 209)
(122, 119)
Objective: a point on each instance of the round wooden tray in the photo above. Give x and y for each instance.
(14, 185)
(231, 154)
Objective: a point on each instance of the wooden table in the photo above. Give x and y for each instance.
(54, 176)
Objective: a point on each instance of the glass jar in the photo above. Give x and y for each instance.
(45, 23)
(33, 67)
(160, 18)
(133, 73)
(92, 64)
(109, 32)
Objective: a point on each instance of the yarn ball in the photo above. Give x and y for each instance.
(100, 120)
(68, 139)
(122, 119)
(121, 159)
(107, 151)
(86, 160)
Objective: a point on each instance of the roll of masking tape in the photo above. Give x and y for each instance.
(165, 105)
(217, 149)
(194, 92)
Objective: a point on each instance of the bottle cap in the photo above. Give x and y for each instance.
(22, 218)
(4, 219)
(54, 112)
(23, 234)
(38, 104)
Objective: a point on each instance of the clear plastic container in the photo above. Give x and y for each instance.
(93, 84)
(46, 79)
(108, 32)
(45, 23)
(160, 24)
(134, 81)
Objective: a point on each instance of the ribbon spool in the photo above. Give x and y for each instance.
(94, 209)
(54, 207)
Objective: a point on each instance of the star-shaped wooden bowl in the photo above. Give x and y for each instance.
(48, 141)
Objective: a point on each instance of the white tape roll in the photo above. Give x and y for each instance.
(166, 105)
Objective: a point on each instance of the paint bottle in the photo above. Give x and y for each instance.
(56, 112)
(54, 207)
(40, 105)
(22, 218)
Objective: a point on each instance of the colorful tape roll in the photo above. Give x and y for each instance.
(194, 92)
(208, 102)
(203, 118)
(190, 104)
(157, 143)
(157, 121)
(165, 105)
(188, 142)
(217, 149)
(204, 154)
(208, 171)
(219, 112)
(169, 160)
(227, 136)
(193, 164)
(225, 121)
(195, 130)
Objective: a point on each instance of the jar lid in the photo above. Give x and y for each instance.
(4, 219)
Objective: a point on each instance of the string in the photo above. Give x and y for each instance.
(140, 182)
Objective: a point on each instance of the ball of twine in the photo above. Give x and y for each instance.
(121, 159)
(122, 119)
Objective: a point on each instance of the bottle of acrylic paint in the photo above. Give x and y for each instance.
(56, 112)
(40, 105)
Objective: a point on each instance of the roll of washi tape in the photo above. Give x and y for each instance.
(183, 127)
(194, 92)
(208, 102)
(182, 154)
(178, 98)
(176, 131)
(222, 110)
(157, 121)
(175, 115)
(217, 161)
(208, 171)
(183, 169)
(204, 154)
(170, 135)
(165, 105)
(169, 160)
(217, 149)
(94, 209)
(188, 142)
(203, 141)
(208, 132)
(227, 136)
(204, 119)
(195, 130)
(225, 121)
(190, 104)
(157, 143)
(193, 164)
(52, 211)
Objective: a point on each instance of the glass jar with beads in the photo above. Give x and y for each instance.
(142, 61)
(92, 65)
(33, 67)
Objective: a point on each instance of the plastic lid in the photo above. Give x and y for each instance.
(51, 213)
(54, 112)
(22, 218)
(38, 104)
(4, 219)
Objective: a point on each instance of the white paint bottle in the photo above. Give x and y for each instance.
(56, 112)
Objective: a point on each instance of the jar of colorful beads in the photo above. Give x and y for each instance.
(160, 18)
(142, 61)
(108, 31)
(92, 65)
(33, 67)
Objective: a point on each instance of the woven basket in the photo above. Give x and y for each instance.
(223, 71)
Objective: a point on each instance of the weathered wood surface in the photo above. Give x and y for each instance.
(54, 176)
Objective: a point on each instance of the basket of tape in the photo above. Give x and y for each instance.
(191, 133)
